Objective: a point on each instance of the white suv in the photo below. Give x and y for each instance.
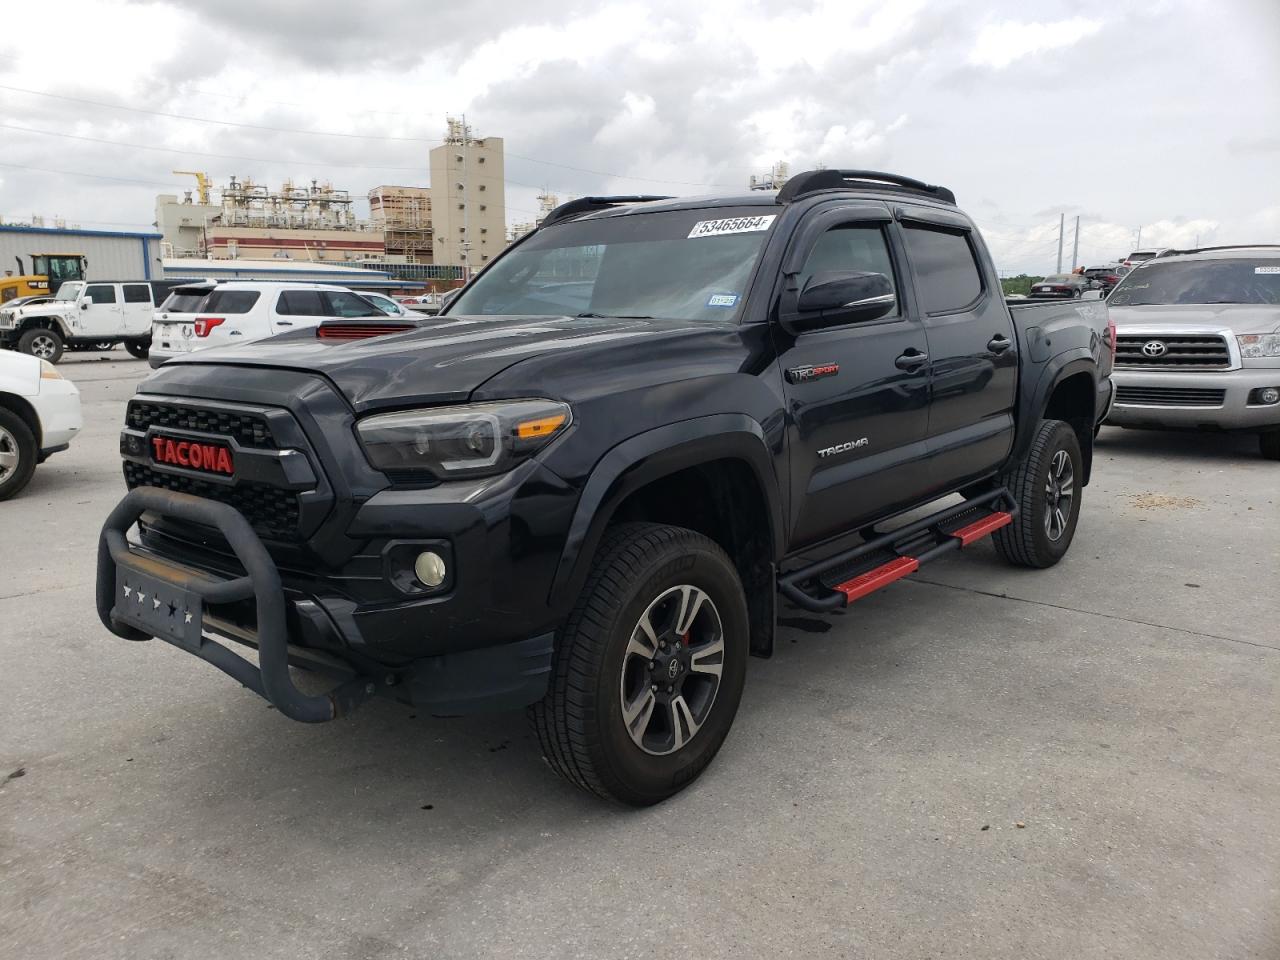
(201, 315)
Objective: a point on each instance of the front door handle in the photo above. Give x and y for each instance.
(912, 359)
(284, 323)
(999, 343)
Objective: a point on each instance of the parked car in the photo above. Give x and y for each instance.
(591, 512)
(39, 416)
(1105, 278)
(1140, 256)
(387, 305)
(1199, 343)
(235, 312)
(93, 314)
(1060, 286)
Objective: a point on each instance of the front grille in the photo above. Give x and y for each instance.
(1170, 396)
(273, 513)
(247, 429)
(1181, 352)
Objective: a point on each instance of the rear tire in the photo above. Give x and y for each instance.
(138, 348)
(1269, 444)
(42, 342)
(602, 724)
(17, 453)
(1047, 487)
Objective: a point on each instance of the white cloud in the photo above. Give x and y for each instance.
(1000, 44)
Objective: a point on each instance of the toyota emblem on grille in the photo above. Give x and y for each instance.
(1154, 348)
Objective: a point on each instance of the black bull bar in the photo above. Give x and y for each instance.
(140, 597)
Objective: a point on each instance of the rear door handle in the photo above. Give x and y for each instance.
(912, 359)
(284, 323)
(999, 343)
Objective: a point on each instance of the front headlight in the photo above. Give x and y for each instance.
(48, 371)
(475, 440)
(1255, 346)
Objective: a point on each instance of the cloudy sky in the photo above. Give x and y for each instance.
(1163, 115)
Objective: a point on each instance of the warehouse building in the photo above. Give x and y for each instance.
(351, 275)
(108, 255)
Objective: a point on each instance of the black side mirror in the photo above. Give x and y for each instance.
(836, 297)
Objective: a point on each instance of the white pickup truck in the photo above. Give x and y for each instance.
(83, 313)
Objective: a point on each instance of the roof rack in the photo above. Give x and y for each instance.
(587, 204)
(1171, 252)
(815, 181)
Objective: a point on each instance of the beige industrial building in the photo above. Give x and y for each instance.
(182, 224)
(468, 199)
(403, 216)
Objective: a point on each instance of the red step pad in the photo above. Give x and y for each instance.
(881, 576)
(981, 527)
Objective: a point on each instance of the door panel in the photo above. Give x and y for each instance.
(972, 347)
(137, 308)
(298, 308)
(105, 316)
(856, 419)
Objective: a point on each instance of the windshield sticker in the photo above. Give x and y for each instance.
(722, 300)
(1266, 269)
(718, 228)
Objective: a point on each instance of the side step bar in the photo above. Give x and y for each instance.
(885, 558)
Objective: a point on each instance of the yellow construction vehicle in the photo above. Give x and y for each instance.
(49, 271)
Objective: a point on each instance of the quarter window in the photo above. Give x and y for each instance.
(101, 293)
(135, 293)
(947, 276)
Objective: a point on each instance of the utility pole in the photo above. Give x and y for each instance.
(466, 200)
(1075, 245)
(1138, 244)
(1062, 225)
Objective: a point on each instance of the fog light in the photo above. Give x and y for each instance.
(429, 568)
(1269, 395)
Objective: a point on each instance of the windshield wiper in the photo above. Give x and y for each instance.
(611, 316)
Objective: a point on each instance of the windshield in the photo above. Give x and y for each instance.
(679, 265)
(69, 291)
(1243, 280)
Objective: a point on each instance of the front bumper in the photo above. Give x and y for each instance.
(1233, 412)
(58, 406)
(141, 595)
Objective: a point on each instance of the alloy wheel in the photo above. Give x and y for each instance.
(671, 670)
(1060, 492)
(8, 454)
(43, 346)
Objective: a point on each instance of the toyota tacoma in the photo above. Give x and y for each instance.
(585, 488)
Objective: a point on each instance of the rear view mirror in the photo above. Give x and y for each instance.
(836, 297)
(86, 303)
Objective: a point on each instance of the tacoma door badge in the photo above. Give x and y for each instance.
(812, 371)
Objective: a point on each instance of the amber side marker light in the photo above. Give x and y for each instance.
(543, 426)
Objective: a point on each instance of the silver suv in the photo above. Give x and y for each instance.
(1198, 343)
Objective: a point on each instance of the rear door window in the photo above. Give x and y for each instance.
(136, 293)
(231, 301)
(300, 303)
(101, 293)
(945, 268)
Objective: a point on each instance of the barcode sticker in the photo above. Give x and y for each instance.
(719, 228)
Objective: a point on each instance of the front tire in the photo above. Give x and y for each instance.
(649, 668)
(1269, 444)
(1047, 487)
(17, 453)
(42, 342)
(138, 348)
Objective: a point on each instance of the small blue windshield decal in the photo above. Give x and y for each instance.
(722, 300)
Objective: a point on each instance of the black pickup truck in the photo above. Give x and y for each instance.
(584, 488)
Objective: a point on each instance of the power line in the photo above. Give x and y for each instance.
(332, 133)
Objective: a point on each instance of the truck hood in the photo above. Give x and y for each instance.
(1237, 317)
(442, 360)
